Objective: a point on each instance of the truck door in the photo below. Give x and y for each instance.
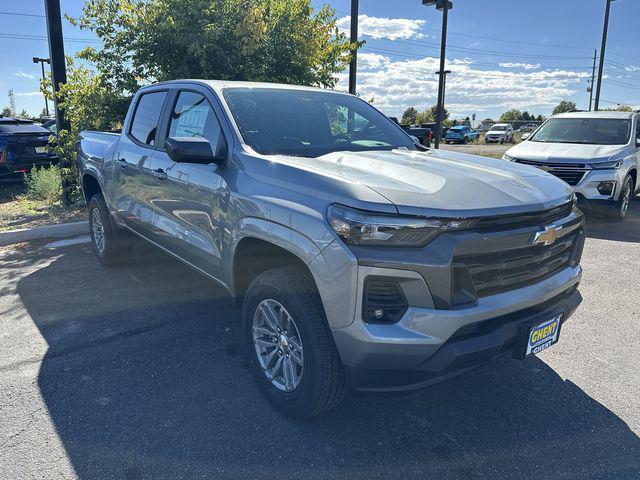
(189, 199)
(133, 183)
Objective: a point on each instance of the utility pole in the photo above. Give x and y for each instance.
(42, 61)
(444, 88)
(445, 6)
(602, 49)
(353, 65)
(56, 54)
(593, 77)
(12, 103)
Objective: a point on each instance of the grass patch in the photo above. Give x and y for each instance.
(43, 185)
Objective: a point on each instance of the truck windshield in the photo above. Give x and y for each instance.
(310, 123)
(591, 131)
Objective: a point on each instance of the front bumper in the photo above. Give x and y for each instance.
(430, 345)
(587, 187)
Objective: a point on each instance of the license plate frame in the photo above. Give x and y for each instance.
(537, 337)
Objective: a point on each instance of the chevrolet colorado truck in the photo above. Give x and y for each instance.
(359, 259)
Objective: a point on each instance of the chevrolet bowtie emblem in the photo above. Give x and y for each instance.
(548, 236)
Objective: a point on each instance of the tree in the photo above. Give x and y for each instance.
(144, 41)
(409, 116)
(429, 115)
(512, 115)
(619, 108)
(6, 112)
(24, 114)
(564, 106)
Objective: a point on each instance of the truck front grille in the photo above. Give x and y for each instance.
(571, 173)
(497, 272)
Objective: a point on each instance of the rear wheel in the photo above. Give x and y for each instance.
(110, 244)
(289, 344)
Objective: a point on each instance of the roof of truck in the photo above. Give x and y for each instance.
(599, 114)
(221, 84)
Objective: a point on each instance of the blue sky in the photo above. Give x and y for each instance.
(503, 53)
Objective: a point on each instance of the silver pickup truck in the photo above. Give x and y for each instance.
(360, 260)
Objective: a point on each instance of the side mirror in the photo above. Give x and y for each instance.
(525, 136)
(195, 150)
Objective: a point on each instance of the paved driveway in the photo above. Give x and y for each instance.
(136, 372)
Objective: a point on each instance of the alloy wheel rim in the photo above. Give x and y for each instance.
(625, 200)
(97, 230)
(278, 345)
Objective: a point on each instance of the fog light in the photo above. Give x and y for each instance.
(606, 188)
(383, 302)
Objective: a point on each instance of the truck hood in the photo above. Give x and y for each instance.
(564, 152)
(442, 183)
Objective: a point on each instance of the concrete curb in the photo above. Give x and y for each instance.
(46, 231)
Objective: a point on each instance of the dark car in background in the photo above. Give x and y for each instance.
(23, 145)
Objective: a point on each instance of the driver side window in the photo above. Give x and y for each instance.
(193, 116)
(638, 133)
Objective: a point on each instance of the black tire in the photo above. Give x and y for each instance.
(116, 243)
(622, 206)
(322, 383)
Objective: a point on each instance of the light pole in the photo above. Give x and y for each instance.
(604, 44)
(593, 77)
(42, 61)
(354, 55)
(56, 54)
(444, 88)
(444, 6)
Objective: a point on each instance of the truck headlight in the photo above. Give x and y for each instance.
(614, 164)
(508, 158)
(357, 227)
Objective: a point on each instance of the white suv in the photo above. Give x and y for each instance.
(597, 153)
(499, 132)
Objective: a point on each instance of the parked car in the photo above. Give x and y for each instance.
(23, 145)
(359, 259)
(460, 134)
(499, 132)
(424, 135)
(51, 125)
(597, 153)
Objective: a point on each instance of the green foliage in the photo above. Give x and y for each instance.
(409, 116)
(429, 115)
(564, 106)
(6, 112)
(43, 184)
(515, 115)
(260, 40)
(619, 108)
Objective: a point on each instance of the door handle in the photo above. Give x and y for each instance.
(122, 162)
(159, 173)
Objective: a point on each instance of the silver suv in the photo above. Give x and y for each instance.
(359, 259)
(597, 153)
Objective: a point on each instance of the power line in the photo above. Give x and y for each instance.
(17, 14)
(20, 36)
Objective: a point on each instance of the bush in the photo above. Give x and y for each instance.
(44, 184)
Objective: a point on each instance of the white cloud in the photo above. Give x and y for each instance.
(526, 66)
(27, 94)
(371, 61)
(632, 68)
(379, 27)
(22, 74)
(397, 84)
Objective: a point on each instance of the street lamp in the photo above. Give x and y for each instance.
(444, 6)
(42, 61)
(444, 88)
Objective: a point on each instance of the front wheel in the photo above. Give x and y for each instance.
(624, 202)
(289, 344)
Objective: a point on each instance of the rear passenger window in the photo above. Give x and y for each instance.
(146, 118)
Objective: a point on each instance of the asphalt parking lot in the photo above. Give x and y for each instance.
(136, 373)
